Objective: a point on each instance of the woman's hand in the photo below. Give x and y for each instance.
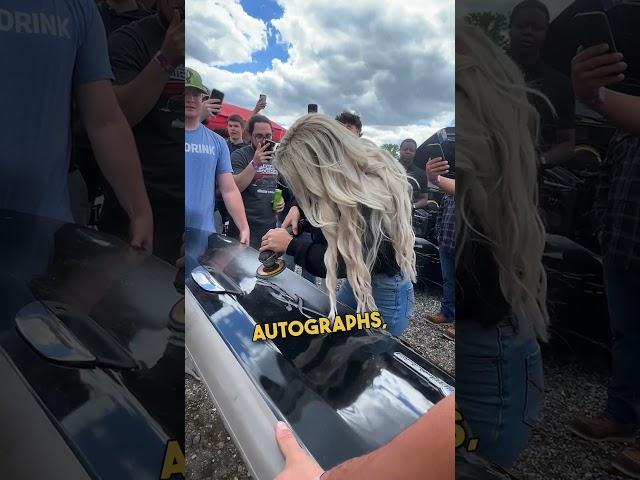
(276, 240)
(292, 219)
(298, 464)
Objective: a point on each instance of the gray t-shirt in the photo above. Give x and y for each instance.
(258, 196)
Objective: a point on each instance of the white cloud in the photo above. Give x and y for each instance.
(393, 63)
(222, 33)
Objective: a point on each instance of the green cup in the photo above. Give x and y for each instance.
(277, 196)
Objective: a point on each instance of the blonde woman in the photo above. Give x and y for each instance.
(501, 285)
(357, 198)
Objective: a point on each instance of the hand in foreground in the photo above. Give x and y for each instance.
(435, 167)
(593, 68)
(298, 464)
(276, 240)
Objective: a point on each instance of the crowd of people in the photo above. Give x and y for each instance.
(315, 174)
(516, 118)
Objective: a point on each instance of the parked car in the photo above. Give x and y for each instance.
(91, 362)
(343, 394)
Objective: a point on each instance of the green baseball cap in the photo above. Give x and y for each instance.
(194, 80)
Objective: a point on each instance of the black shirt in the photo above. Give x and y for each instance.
(558, 89)
(309, 254)
(113, 20)
(235, 146)
(160, 135)
(478, 293)
(418, 180)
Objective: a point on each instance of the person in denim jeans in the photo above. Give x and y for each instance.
(500, 280)
(445, 226)
(394, 298)
(357, 200)
(618, 209)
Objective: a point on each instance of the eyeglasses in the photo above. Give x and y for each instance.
(259, 137)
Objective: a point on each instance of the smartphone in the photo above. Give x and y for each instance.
(217, 94)
(312, 108)
(263, 97)
(271, 145)
(593, 28)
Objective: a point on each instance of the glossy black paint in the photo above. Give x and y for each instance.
(115, 413)
(344, 394)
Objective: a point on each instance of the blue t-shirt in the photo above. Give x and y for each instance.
(47, 49)
(206, 156)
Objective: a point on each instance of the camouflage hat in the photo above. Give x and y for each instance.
(194, 80)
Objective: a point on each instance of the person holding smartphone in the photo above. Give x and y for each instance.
(594, 69)
(445, 226)
(147, 58)
(617, 203)
(207, 163)
(256, 179)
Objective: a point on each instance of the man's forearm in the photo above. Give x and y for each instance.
(116, 154)
(138, 97)
(622, 110)
(244, 178)
(235, 207)
(426, 446)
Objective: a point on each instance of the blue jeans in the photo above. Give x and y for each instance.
(448, 267)
(393, 296)
(623, 396)
(499, 388)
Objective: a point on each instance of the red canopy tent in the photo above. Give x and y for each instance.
(219, 122)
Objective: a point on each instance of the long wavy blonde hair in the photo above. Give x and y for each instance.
(356, 193)
(497, 192)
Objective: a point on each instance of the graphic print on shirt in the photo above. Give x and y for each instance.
(265, 179)
(35, 23)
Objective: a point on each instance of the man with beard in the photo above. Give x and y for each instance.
(147, 58)
(256, 179)
(418, 179)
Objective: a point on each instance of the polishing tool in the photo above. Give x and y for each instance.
(271, 264)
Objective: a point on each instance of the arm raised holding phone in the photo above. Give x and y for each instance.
(592, 70)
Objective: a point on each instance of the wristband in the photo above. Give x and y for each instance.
(436, 182)
(254, 164)
(164, 62)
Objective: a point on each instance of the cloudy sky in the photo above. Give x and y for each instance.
(390, 61)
